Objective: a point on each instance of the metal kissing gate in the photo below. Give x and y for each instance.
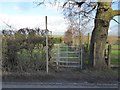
(67, 56)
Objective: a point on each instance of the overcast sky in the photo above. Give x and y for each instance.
(23, 14)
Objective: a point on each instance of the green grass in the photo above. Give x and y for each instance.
(115, 61)
(115, 46)
(114, 54)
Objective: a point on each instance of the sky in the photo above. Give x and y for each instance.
(23, 14)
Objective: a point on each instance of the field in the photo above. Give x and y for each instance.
(110, 39)
(115, 52)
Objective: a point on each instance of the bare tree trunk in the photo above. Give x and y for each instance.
(99, 35)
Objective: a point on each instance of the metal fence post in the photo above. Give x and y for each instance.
(46, 44)
(58, 57)
(81, 57)
(66, 54)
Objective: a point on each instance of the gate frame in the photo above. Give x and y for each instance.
(80, 56)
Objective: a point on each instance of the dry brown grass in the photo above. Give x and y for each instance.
(113, 40)
(110, 39)
(66, 75)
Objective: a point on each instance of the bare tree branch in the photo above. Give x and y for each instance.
(80, 3)
(6, 24)
(115, 12)
(39, 3)
(64, 4)
(116, 21)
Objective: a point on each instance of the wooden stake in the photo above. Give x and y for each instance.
(94, 60)
(109, 55)
(88, 40)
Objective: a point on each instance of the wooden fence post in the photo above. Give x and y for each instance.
(1, 54)
(94, 59)
(88, 40)
(109, 56)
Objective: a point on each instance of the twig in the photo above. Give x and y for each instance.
(116, 21)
